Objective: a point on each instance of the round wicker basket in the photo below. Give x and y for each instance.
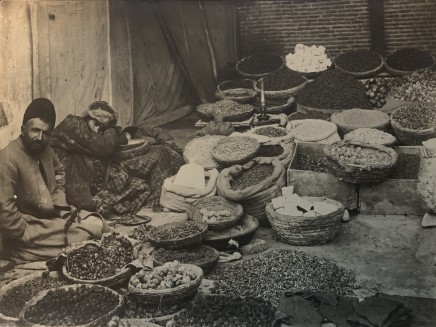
(243, 94)
(396, 72)
(98, 322)
(199, 151)
(349, 120)
(175, 243)
(281, 93)
(360, 173)
(170, 295)
(260, 75)
(207, 265)
(208, 111)
(226, 151)
(365, 74)
(409, 136)
(215, 203)
(119, 278)
(300, 230)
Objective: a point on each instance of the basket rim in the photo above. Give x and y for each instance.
(41, 295)
(235, 79)
(253, 143)
(248, 75)
(159, 241)
(169, 291)
(234, 207)
(289, 91)
(396, 125)
(392, 153)
(340, 208)
(335, 118)
(246, 220)
(396, 72)
(365, 73)
(199, 140)
(199, 264)
(123, 272)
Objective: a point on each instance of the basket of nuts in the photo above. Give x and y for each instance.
(360, 163)
(72, 305)
(177, 234)
(235, 150)
(225, 110)
(217, 212)
(171, 283)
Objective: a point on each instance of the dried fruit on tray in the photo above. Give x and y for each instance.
(357, 155)
(72, 306)
(252, 176)
(371, 136)
(170, 275)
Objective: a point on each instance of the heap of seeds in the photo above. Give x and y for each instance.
(235, 149)
(409, 59)
(310, 162)
(225, 108)
(269, 150)
(175, 231)
(227, 312)
(336, 90)
(199, 151)
(260, 64)
(415, 117)
(407, 166)
(282, 79)
(281, 270)
(359, 61)
(252, 176)
(418, 86)
(370, 135)
(270, 131)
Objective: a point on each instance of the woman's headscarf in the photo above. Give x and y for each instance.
(103, 113)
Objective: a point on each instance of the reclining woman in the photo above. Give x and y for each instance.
(99, 175)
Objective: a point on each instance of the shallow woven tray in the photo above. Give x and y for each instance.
(244, 142)
(207, 265)
(98, 322)
(207, 161)
(257, 76)
(180, 242)
(273, 139)
(205, 112)
(340, 119)
(171, 295)
(395, 72)
(281, 93)
(409, 136)
(119, 278)
(365, 74)
(215, 203)
(221, 91)
(299, 230)
(349, 137)
(360, 174)
(242, 233)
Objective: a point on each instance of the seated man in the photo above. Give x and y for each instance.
(34, 216)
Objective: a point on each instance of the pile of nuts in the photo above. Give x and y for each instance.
(225, 108)
(170, 275)
(360, 155)
(273, 150)
(227, 312)
(370, 135)
(234, 148)
(14, 299)
(176, 231)
(418, 86)
(96, 261)
(251, 176)
(270, 131)
(417, 117)
(282, 270)
(72, 306)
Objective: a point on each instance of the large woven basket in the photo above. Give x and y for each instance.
(360, 174)
(281, 93)
(102, 321)
(199, 151)
(260, 75)
(215, 203)
(249, 144)
(365, 74)
(396, 72)
(299, 230)
(409, 136)
(206, 264)
(206, 112)
(119, 278)
(175, 243)
(380, 120)
(244, 93)
(170, 295)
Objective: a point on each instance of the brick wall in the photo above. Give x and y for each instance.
(276, 26)
(339, 25)
(410, 24)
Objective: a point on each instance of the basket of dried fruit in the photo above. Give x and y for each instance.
(14, 295)
(407, 60)
(202, 256)
(235, 150)
(172, 282)
(199, 151)
(414, 124)
(360, 163)
(217, 212)
(225, 110)
(72, 305)
(371, 136)
(349, 120)
(177, 234)
(360, 63)
(274, 134)
(239, 90)
(258, 66)
(311, 227)
(99, 262)
(281, 84)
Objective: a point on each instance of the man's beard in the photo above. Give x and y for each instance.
(35, 147)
